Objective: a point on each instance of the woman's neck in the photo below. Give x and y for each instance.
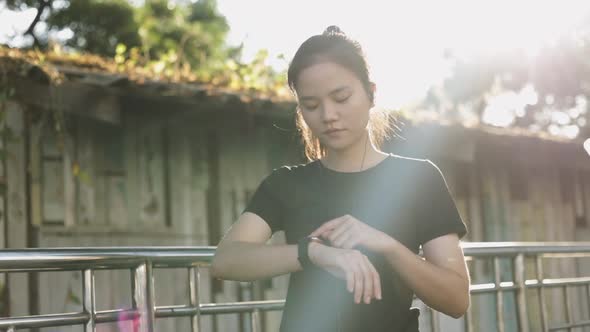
(356, 158)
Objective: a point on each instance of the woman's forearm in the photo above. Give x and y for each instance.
(441, 289)
(245, 261)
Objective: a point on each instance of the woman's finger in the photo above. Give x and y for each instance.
(337, 242)
(339, 231)
(376, 280)
(350, 280)
(329, 225)
(367, 279)
(358, 282)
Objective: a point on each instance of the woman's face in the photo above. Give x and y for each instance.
(331, 97)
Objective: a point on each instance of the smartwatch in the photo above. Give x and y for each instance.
(302, 250)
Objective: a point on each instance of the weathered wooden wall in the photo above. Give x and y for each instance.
(162, 180)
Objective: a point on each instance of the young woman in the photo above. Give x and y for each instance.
(354, 217)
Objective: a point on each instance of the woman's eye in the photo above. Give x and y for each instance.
(310, 107)
(342, 100)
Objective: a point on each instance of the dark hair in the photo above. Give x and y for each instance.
(334, 46)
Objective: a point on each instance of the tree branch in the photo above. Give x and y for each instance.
(30, 31)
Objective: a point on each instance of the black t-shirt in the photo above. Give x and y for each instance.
(403, 197)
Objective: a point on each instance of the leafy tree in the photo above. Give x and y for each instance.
(559, 77)
(192, 31)
(97, 26)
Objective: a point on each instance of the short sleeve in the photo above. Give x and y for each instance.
(436, 210)
(266, 204)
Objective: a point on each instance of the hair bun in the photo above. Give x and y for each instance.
(333, 30)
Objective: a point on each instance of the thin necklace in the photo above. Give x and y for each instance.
(364, 153)
(362, 161)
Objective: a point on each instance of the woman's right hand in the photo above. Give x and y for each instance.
(351, 265)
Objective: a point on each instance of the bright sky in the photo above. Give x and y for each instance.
(404, 40)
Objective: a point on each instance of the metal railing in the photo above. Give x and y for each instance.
(143, 260)
(517, 252)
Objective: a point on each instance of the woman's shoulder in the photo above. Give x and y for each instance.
(420, 168)
(410, 161)
(291, 172)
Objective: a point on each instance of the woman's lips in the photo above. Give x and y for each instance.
(333, 132)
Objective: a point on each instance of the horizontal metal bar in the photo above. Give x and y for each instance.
(106, 316)
(580, 281)
(531, 283)
(59, 259)
(480, 249)
(73, 318)
(238, 307)
(581, 323)
(492, 288)
(54, 259)
(175, 311)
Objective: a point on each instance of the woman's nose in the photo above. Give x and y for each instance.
(329, 112)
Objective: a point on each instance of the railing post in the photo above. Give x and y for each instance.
(499, 295)
(88, 299)
(519, 278)
(568, 311)
(193, 283)
(543, 304)
(255, 320)
(469, 320)
(246, 322)
(435, 320)
(143, 294)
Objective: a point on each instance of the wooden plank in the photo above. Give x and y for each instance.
(53, 191)
(151, 175)
(116, 201)
(70, 187)
(3, 212)
(131, 162)
(110, 149)
(179, 161)
(199, 183)
(86, 179)
(16, 209)
(474, 208)
(35, 157)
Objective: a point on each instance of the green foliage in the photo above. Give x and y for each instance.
(98, 25)
(177, 41)
(195, 33)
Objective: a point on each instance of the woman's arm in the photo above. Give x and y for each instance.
(243, 254)
(441, 281)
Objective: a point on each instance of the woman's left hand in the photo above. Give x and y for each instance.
(347, 232)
